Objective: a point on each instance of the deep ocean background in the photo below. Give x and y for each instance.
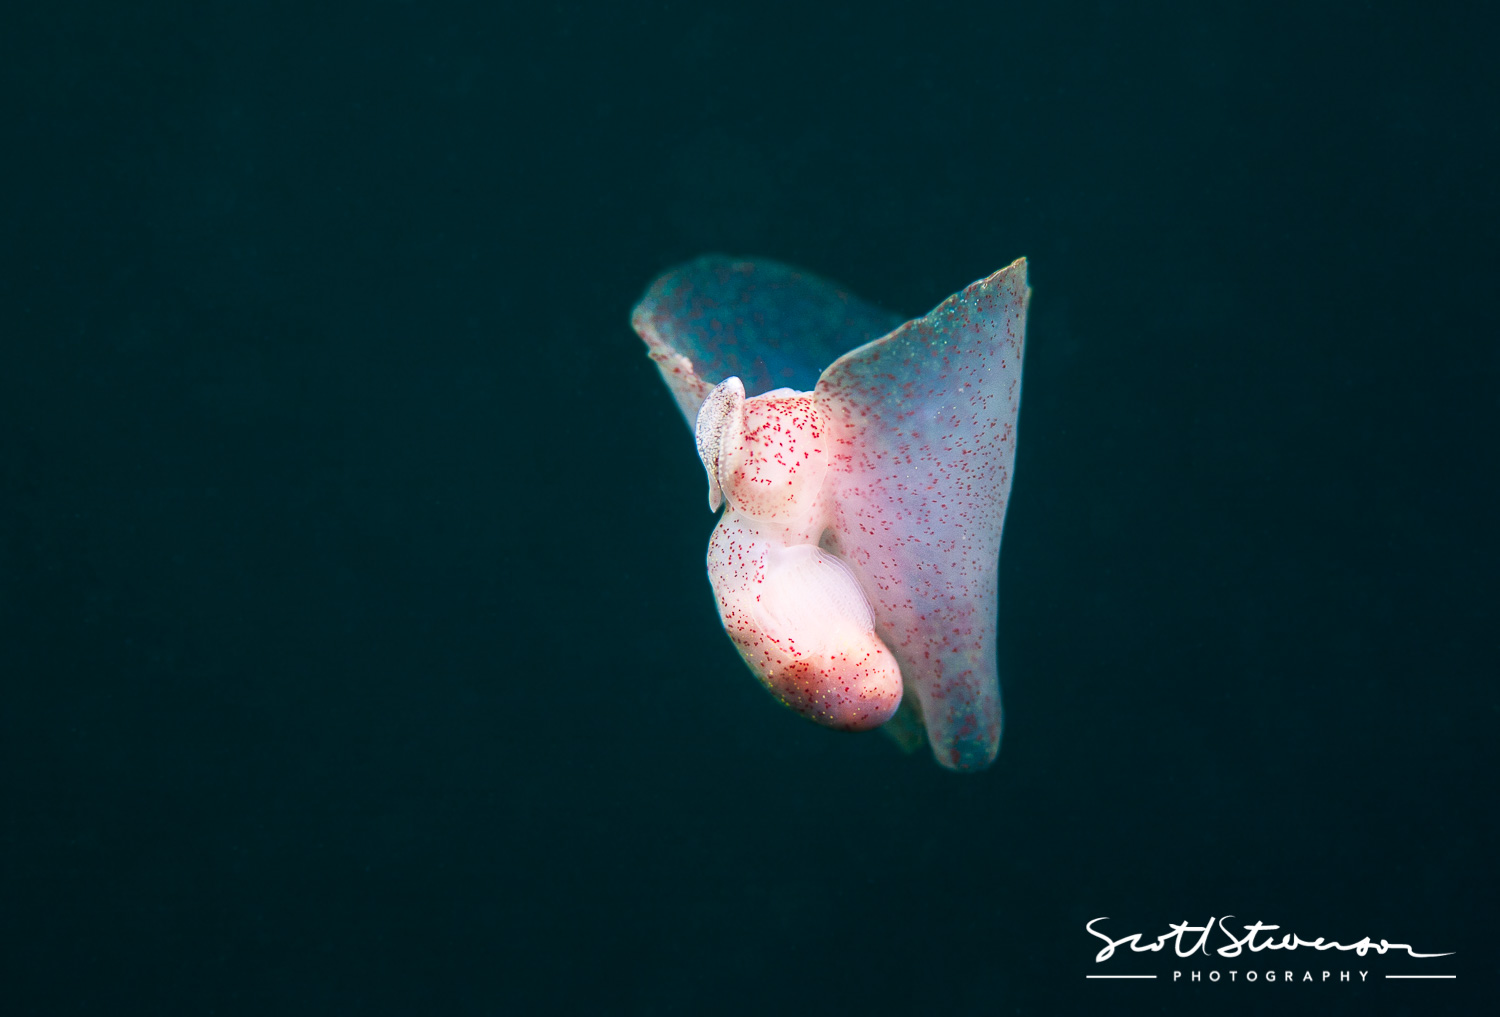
(356, 647)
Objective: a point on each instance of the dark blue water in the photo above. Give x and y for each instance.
(356, 647)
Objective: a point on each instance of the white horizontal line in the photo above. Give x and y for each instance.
(1119, 976)
(1421, 976)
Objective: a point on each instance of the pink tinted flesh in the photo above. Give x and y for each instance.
(796, 615)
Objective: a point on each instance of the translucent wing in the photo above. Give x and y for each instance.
(924, 429)
(767, 323)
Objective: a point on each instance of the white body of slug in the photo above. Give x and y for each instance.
(794, 611)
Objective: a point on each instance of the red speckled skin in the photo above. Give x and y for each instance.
(794, 612)
(923, 424)
(782, 462)
(883, 490)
